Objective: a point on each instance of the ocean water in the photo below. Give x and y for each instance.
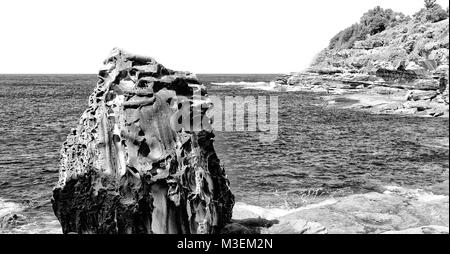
(320, 151)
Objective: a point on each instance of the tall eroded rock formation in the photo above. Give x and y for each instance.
(138, 161)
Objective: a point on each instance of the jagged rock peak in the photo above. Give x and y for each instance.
(136, 163)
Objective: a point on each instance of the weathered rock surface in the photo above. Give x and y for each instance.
(136, 163)
(416, 95)
(408, 41)
(403, 92)
(396, 210)
(409, 56)
(297, 226)
(397, 76)
(249, 219)
(432, 229)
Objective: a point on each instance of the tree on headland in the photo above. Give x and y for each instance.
(432, 12)
(378, 19)
(429, 4)
(372, 22)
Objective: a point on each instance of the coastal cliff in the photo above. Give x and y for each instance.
(389, 63)
(135, 163)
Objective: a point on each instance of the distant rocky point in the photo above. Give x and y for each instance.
(406, 64)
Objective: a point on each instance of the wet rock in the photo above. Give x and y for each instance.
(438, 114)
(12, 220)
(396, 209)
(297, 226)
(251, 219)
(282, 80)
(421, 230)
(248, 226)
(390, 210)
(236, 228)
(141, 159)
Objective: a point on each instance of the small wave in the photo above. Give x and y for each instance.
(264, 86)
(418, 194)
(241, 83)
(269, 86)
(16, 219)
(43, 224)
(7, 207)
(9, 215)
(274, 213)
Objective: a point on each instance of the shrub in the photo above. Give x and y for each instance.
(433, 14)
(436, 14)
(345, 38)
(372, 22)
(378, 19)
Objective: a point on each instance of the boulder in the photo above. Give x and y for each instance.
(141, 159)
(419, 105)
(416, 95)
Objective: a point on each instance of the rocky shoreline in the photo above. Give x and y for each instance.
(395, 210)
(386, 91)
(392, 210)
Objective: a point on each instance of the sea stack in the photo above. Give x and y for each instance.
(137, 162)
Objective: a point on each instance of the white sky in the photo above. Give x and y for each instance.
(202, 36)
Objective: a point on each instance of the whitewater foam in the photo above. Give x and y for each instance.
(274, 213)
(271, 87)
(7, 207)
(417, 194)
(241, 83)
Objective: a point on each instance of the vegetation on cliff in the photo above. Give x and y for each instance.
(384, 38)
